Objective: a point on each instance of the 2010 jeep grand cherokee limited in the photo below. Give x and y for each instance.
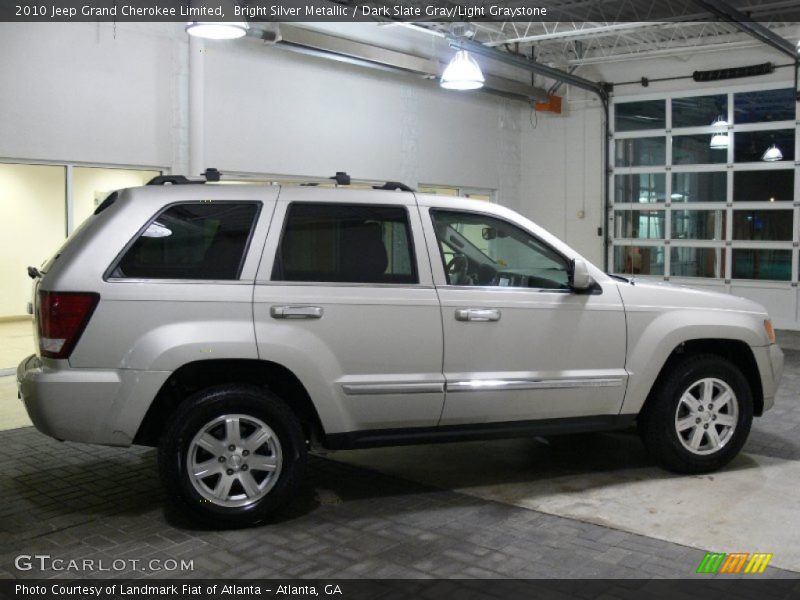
(236, 327)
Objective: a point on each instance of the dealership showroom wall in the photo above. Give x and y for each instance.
(88, 108)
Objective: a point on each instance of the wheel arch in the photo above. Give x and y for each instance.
(736, 351)
(201, 374)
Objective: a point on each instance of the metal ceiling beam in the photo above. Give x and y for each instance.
(572, 33)
(725, 11)
(306, 41)
(532, 66)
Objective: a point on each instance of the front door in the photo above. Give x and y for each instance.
(519, 343)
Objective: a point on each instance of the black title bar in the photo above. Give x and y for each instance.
(615, 11)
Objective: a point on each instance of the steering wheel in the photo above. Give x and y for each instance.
(457, 270)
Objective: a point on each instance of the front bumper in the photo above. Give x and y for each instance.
(769, 360)
(99, 406)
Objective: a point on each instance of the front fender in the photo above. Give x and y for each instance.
(654, 335)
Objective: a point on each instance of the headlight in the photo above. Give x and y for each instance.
(770, 330)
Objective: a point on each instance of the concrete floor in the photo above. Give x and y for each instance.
(575, 506)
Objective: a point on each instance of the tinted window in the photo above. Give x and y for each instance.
(763, 186)
(639, 260)
(750, 146)
(637, 152)
(761, 107)
(698, 225)
(634, 116)
(699, 187)
(481, 250)
(345, 244)
(698, 262)
(696, 149)
(699, 111)
(643, 187)
(762, 264)
(769, 225)
(192, 241)
(639, 224)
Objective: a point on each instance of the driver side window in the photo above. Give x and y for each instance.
(477, 249)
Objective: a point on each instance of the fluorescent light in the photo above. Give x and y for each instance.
(772, 154)
(463, 73)
(216, 30)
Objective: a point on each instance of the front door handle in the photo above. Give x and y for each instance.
(477, 314)
(296, 312)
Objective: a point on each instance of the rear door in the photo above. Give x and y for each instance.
(344, 298)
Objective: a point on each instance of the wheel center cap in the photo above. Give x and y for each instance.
(235, 461)
(707, 416)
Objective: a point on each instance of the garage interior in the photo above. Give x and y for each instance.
(659, 149)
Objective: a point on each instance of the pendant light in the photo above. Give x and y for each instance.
(216, 30)
(462, 73)
(719, 141)
(772, 154)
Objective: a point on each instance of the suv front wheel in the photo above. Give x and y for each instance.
(231, 455)
(699, 416)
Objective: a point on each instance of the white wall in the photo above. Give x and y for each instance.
(99, 94)
(269, 110)
(562, 174)
(74, 92)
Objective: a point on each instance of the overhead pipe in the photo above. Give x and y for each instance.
(306, 41)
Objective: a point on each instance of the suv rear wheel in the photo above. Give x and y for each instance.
(699, 417)
(231, 455)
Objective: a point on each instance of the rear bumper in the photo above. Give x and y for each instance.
(99, 406)
(770, 366)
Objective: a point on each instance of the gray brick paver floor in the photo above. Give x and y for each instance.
(76, 501)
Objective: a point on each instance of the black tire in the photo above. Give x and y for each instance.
(657, 421)
(192, 416)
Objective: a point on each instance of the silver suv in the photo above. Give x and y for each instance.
(238, 327)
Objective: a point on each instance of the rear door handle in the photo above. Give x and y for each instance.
(296, 312)
(477, 314)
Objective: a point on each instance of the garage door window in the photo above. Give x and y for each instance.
(719, 202)
(192, 241)
(333, 243)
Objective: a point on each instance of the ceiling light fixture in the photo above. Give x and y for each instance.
(719, 141)
(772, 154)
(462, 73)
(216, 30)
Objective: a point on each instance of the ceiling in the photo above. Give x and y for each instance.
(584, 32)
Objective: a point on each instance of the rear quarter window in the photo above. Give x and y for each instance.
(191, 241)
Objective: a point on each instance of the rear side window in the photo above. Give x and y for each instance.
(192, 241)
(345, 244)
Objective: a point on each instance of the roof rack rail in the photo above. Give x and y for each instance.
(210, 174)
(341, 178)
(171, 180)
(393, 185)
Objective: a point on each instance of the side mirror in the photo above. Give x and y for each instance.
(579, 278)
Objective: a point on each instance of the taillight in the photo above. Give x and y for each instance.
(62, 318)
